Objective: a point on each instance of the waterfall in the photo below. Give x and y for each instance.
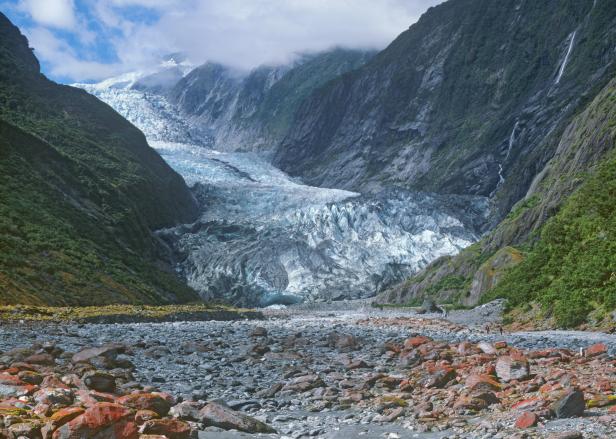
(501, 178)
(564, 64)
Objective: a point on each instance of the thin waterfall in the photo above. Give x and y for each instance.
(501, 178)
(564, 64)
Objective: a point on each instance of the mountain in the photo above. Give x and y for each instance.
(253, 111)
(554, 246)
(81, 194)
(469, 100)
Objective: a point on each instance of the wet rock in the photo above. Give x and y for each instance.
(570, 405)
(218, 415)
(513, 367)
(99, 381)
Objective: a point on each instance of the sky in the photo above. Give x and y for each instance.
(90, 40)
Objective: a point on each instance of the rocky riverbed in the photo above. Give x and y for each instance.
(307, 373)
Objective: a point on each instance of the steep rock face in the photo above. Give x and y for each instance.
(81, 192)
(467, 101)
(586, 145)
(253, 111)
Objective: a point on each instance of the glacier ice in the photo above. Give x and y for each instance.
(264, 238)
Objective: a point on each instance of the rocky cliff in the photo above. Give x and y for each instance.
(554, 246)
(253, 111)
(469, 100)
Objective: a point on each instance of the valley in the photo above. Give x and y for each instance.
(264, 238)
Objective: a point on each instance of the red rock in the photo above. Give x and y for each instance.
(11, 380)
(526, 420)
(612, 409)
(413, 342)
(531, 403)
(171, 428)
(104, 419)
(596, 349)
(477, 382)
(147, 401)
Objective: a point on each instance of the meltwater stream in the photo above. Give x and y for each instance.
(264, 238)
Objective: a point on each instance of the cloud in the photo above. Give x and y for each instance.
(245, 33)
(55, 13)
(62, 59)
(239, 33)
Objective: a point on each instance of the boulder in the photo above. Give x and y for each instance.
(107, 351)
(481, 383)
(512, 367)
(171, 428)
(487, 348)
(104, 420)
(429, 306)
(570, 405)
(99, 381)
(219, 415)
(146, 401)
(439, 378)
(596, 349)
(526, 420)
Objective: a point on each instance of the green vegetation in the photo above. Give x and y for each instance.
(80, 193)
(572, 268)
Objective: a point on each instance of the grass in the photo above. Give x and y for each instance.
(113, 312)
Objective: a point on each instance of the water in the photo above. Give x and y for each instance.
(564, 64)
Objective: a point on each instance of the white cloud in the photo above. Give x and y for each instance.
(239, 33)
(246, 33)
(63, 60)
(55, 13)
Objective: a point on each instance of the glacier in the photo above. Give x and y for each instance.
(264, 238)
